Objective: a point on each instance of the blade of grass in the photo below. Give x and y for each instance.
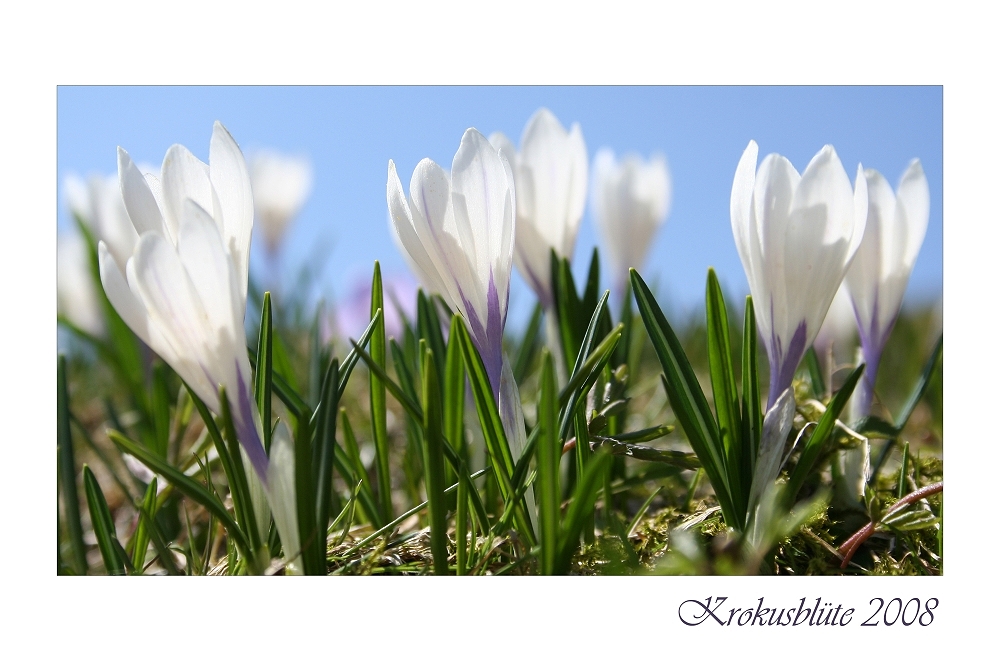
(285, 392)
(429, 329)
(263, 377)
(185, 485)
(326, 441)
(433, 453)
(548, 450)
(816, 381)
(313, 548)
(489, 419)
(751, 416)
(376, 392)
(581, 506)
(67, 475)
(389, 527)
(686, 397)
(727, 402)
(644, 435)
(104, 526)
(239, 477)
(918, 391)
(140, 539)
(225, 458)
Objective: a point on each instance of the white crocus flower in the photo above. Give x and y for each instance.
(550, 174)
(877, 279)
(183, 291)
(76, 296)
(457, 233)
(281, 185)
(630, 199)
(796, 236)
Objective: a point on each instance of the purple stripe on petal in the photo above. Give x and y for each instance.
(246, 430)
(488, 340)
(785, 364)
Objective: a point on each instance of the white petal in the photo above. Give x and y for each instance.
(860, 210)
(777, 424)
(825, 184)
(503, 143)
(865, 275)
(175, 309)
(481, 197)
(142, 208)
(401, 222)
(576, 194)
(231, 183)
(114, 226)
(549, 158)
(512, 419)
(128, 307)
(914, 196)
(818, 237)
(774, 188)
(213, 276)
(184, 176)
(740, 200)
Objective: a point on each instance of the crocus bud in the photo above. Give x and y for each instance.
(796, 236)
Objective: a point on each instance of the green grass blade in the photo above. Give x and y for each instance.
(376, 392)
(581, 508)
(285, 392)
(67, 475)
(433, 452)
(238, 484)
(185, 485)
(429, 329)
(816, 381)
(407, 402)
(567, 306)
(727, 399)
(686, 397)
(751, 417)
(816, 442)
(140, 540)
(454, 395)
(326, 442)
(592, 289)
(489, 419)
(312, 542)
(644, 435)
(921, 387)
(549, 450)
(226, 459)
(263, 377)
(104, 526)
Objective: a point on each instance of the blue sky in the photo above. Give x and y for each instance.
(350, 133)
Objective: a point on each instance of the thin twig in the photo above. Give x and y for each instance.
(855, 541)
